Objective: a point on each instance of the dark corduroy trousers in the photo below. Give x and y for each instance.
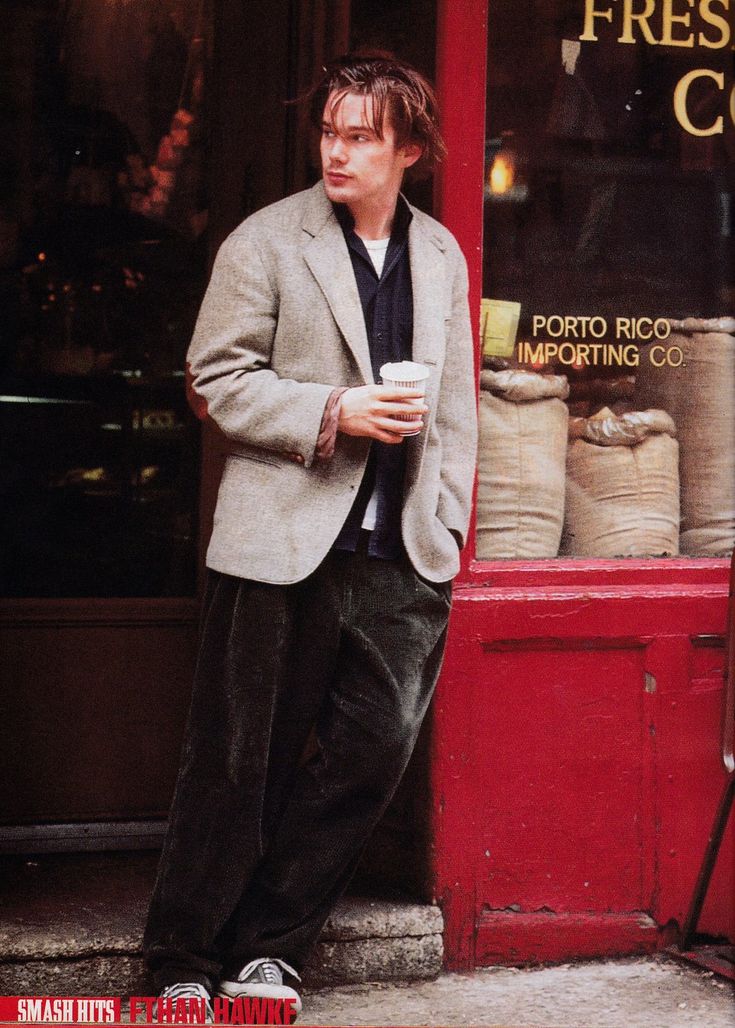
(263, 839)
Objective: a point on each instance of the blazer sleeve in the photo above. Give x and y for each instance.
(229, 358)
(456, 416)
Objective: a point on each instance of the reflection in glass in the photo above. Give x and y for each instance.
(102, 264)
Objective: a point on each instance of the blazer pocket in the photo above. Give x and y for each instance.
(256, 458)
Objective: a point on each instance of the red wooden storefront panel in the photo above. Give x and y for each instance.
(577, 772)
(690, 783)
(578, 718)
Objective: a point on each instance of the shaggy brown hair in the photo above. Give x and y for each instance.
(397, 90)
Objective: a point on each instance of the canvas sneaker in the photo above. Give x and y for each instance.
(263, 978)
(191, 991)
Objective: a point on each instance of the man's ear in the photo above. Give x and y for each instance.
(410, 153)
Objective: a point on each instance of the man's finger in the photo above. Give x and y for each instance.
(399, 392)
(398, 427)
(403, 408)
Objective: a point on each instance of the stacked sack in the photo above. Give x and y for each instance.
(622, 497)
(699, 396)
(523, 433)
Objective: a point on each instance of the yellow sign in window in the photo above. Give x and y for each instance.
(499, 327)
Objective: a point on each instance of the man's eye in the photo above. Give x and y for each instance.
(360, 139)
(328, 133)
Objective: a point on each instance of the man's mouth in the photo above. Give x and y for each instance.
(337, 176)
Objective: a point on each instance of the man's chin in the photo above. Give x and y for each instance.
(336, 193)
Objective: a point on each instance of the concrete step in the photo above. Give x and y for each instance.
(71, 924)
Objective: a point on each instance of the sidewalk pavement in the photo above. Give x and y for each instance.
(645, 992)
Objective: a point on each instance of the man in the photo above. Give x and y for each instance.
(335, 540)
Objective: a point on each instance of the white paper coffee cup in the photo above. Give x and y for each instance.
(407, 375)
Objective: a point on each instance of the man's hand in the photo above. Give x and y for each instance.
(371, 411)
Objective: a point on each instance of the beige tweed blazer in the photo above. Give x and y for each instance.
(280, 326)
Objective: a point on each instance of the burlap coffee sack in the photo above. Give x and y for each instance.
(700, 396)
(606, 428)
(523, 442)
(622, 497)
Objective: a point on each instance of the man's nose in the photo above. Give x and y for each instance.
(337, 150)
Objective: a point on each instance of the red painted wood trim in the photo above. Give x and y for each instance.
(600, 619)
(678, 572)
(508, 937)
(460, 80)
(461, 55)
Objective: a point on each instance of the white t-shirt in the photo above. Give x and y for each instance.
(377, 249)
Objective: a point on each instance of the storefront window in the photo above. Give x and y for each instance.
(607, 397)
(103, 217)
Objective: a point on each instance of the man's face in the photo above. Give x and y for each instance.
(360, 169)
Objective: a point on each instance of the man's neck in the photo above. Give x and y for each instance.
(374, 221)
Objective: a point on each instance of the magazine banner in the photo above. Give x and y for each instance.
(143, 1010)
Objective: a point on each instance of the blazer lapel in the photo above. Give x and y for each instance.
(327, 256)
(426, 254)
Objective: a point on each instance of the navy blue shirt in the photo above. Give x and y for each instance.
(387, 305)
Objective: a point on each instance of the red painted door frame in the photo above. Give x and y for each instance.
(575, 765)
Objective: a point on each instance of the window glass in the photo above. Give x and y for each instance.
(102, 265)
(606, 404)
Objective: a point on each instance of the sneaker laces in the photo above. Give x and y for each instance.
(268, 970)
(190, 990)
(185, 990)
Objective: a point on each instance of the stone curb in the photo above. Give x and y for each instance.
(94, 933)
